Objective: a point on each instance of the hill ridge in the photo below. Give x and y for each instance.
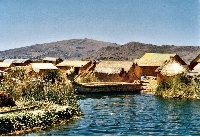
(89, 49)
(73, 48)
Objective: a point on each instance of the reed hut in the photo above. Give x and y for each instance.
(115, 71)
(170, 68)
(4, 66)
(147, 64)
(75, 66)
(39, 68)
(18, 62)
(52, 60)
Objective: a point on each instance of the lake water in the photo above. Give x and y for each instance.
(131, 114)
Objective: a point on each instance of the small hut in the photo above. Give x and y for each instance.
(147, 64)
(41, 67)
(115, 71)
(4, 66)
(76, 66)
(170, 68)
(52, 60)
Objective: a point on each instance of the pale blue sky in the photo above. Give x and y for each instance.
(28, 22)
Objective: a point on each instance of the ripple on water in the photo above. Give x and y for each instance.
(131, 114)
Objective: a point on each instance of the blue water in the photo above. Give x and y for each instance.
(131, 114)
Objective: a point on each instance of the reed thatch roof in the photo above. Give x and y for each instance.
(171, 67)
(72, 63)
(197, 59)
(51, 59)
(153, 59)
(196, 68)
(113, 67)
(9, 60)
(16, 60)
(136, 61)
(5, 64)
(42, 66)
(194, 62)
(21, 60)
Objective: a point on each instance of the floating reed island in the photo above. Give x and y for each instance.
(38, 94)
(38, 103)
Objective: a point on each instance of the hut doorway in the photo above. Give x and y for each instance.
(76, 70)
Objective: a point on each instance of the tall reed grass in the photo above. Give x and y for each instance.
(51, 92)
(87, 79)
(50, 87)
(179, 86)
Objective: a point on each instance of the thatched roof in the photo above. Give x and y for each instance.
(197, 59)
(108, 70)
(157, 56)
(154, 59)
(51, 59)
(5, 64)
(113, 67)
(136, 61)
(196, 68)
(171, 68)
(72, 63)
(42, 66)
(21, 60)
(194, 62)
(16, 60)
(9, 60)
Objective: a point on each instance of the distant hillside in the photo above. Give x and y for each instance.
(65, 49)
(88, 49)
(133, 50)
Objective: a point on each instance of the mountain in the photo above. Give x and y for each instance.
(88, 49)
(133, 50)
(66, 49)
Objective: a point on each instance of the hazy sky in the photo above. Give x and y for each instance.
(28, 22)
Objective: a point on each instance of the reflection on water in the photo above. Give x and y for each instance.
(132, 114)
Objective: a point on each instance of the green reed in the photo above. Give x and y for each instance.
(50, 92)
(50, 86)
(179, 86)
